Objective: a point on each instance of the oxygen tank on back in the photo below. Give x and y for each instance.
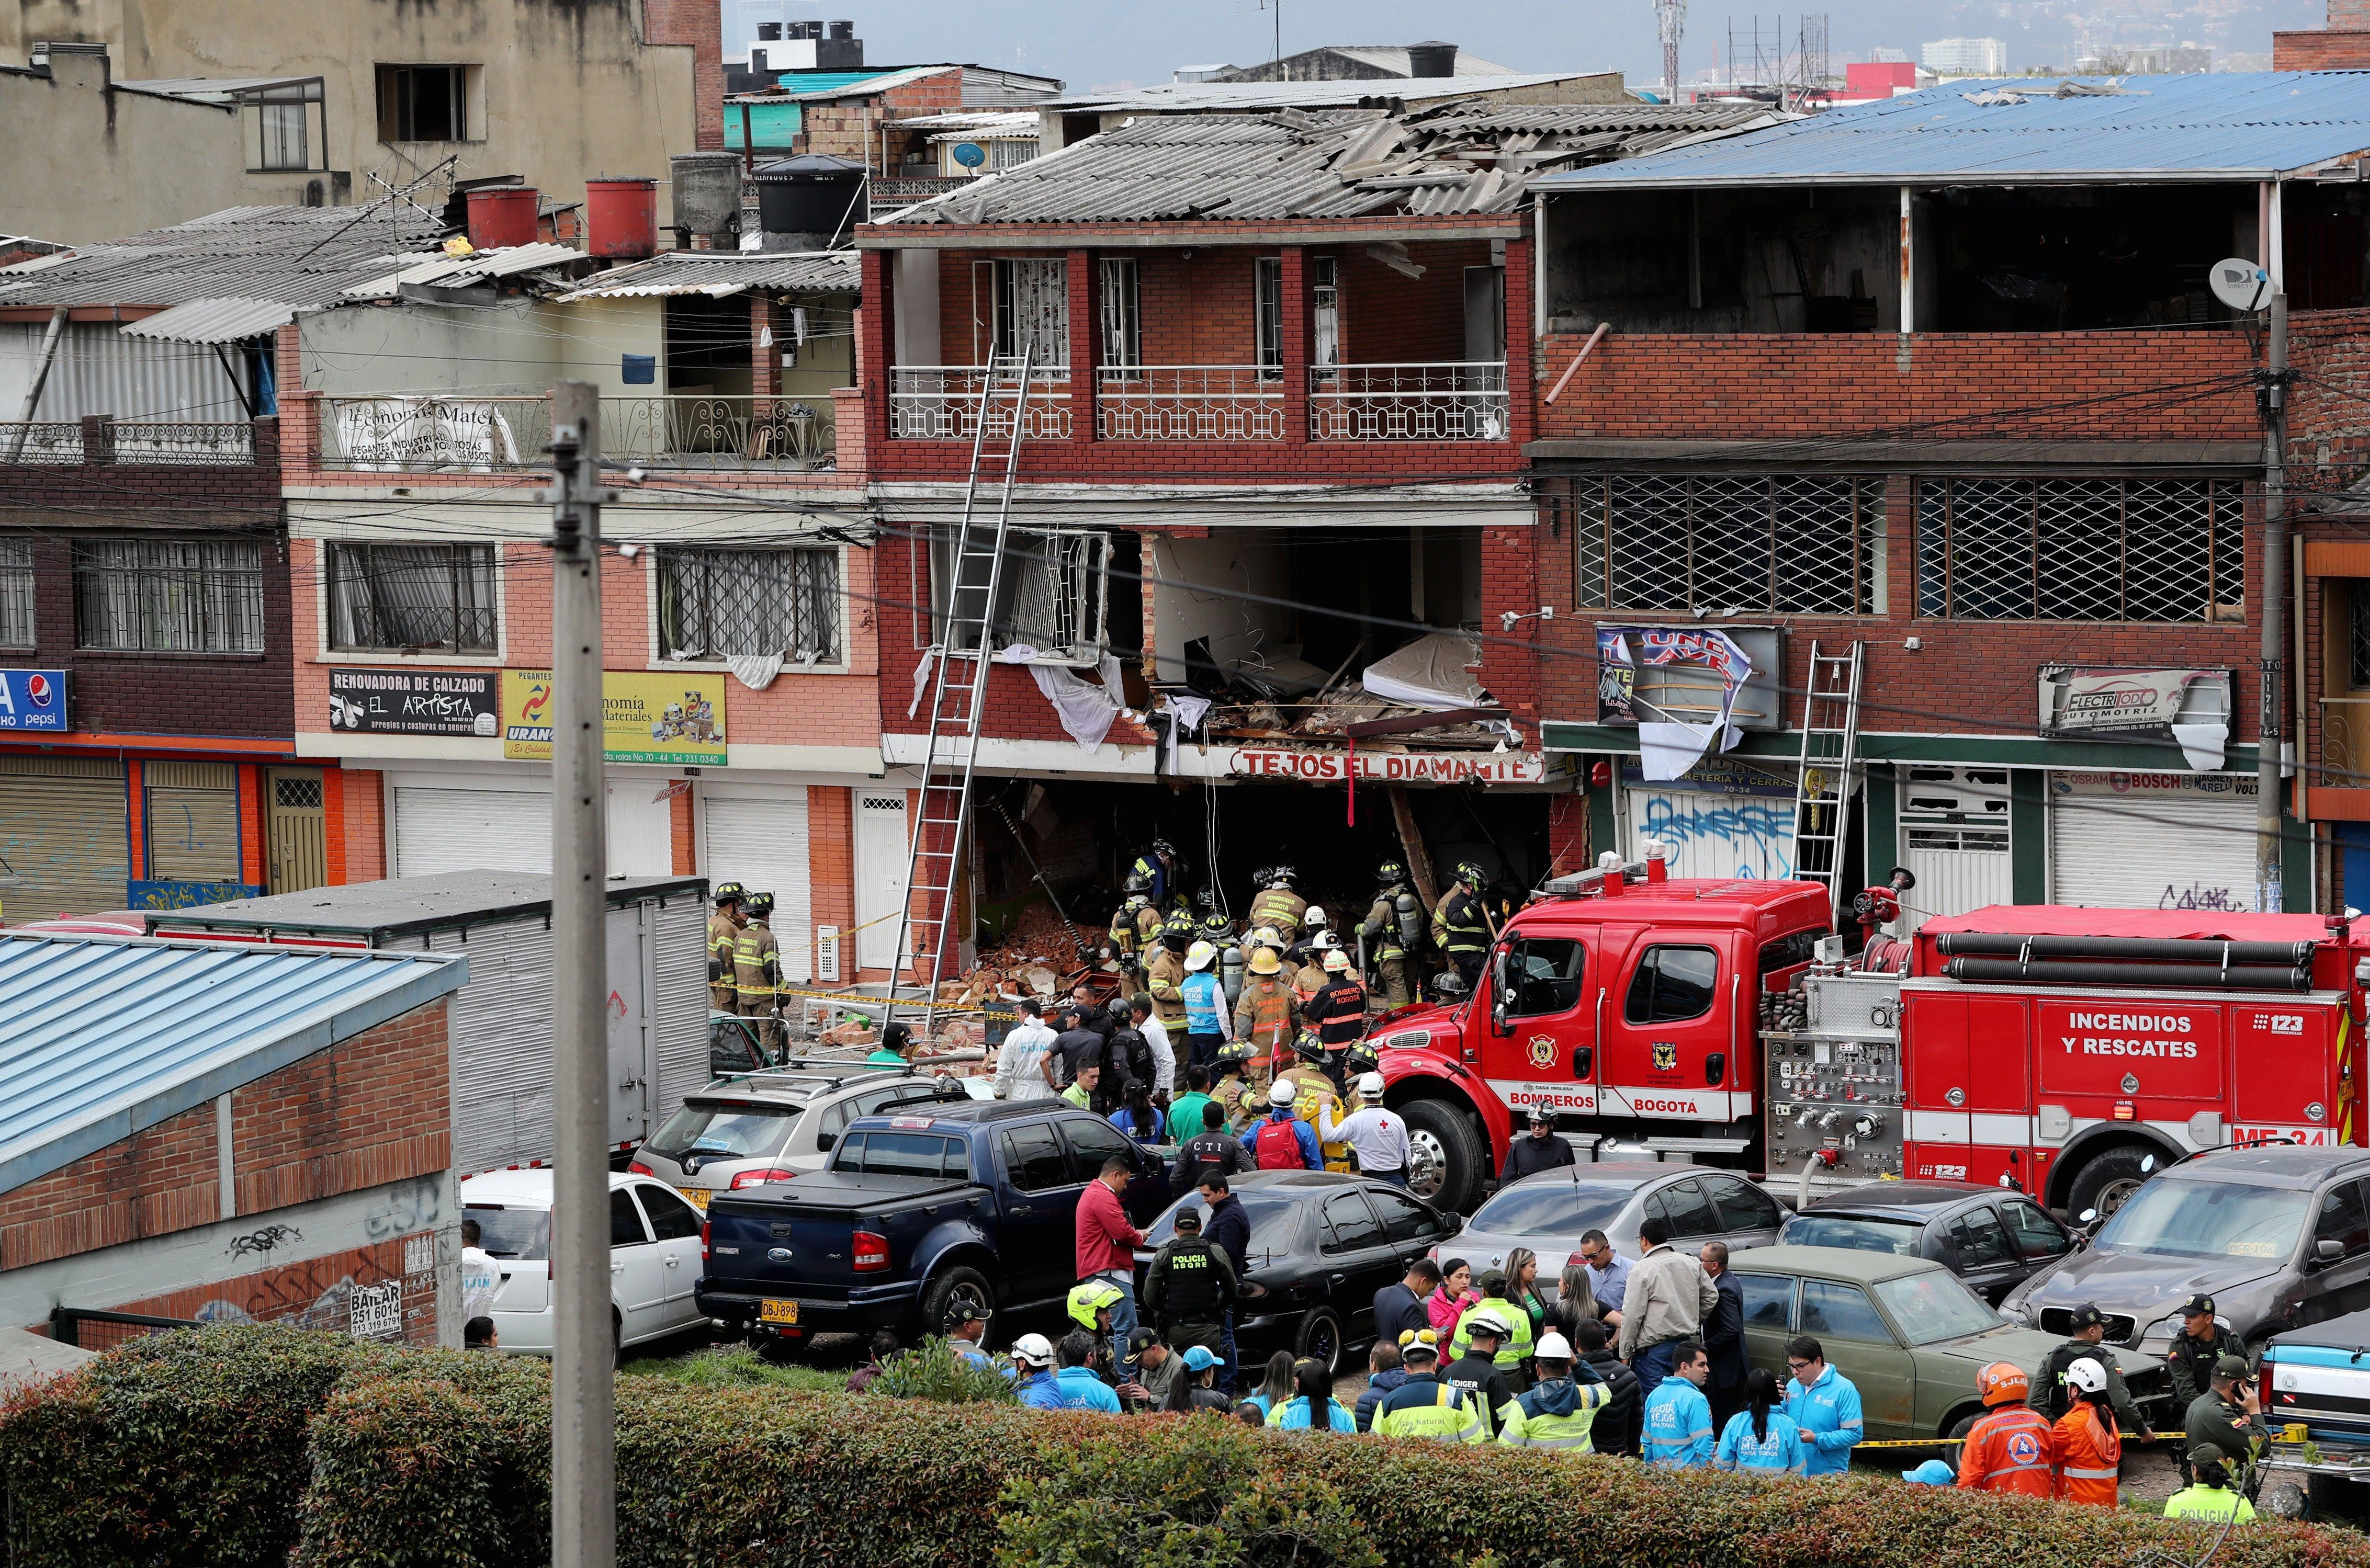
(1230, 973)
(1410, 913)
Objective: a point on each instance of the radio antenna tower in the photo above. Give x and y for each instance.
(1671, 21)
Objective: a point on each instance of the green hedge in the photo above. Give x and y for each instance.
(229, 1447)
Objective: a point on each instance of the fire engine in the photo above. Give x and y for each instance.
(2062, 1052)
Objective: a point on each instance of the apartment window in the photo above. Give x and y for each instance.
(280, 118)
(169, 595)
(423, 103)
(1762, 543)
(1123, 323)
(2081, 550)
(2357, 622)
(716, 604)
(1324, 310)
(1267, 313)
(1006, 154)
(1050, 595)
(16, 595)
(1032, 311)
(412, 597)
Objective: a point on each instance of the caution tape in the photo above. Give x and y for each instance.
(1954, 1442)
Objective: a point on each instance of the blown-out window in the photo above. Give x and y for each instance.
(412, 597)
(1049, 594)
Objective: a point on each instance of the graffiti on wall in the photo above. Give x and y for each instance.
(1739, 836)
(366, 1291)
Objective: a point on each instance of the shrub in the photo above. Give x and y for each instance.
(932, 1370)
(737, 1367)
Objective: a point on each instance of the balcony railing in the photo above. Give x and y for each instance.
(1188, 403)
(44, 442)
(177, 443)
(1448, 401)
(941, 403)
(493, 435)
(2344, 760)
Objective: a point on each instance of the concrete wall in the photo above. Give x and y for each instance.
(1231, 563)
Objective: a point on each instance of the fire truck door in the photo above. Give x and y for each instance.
(1967, 1081)
(1539, 1046)
(1671, 1032)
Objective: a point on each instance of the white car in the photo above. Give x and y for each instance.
(654, 1262)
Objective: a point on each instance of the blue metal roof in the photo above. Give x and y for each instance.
(2231, 126)
(106, 1035)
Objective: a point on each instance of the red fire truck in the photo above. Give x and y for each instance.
(2055, 1048)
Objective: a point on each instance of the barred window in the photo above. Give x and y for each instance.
(2081, 549)
(1783, 544)
(726, 603)
(16, 594)
(169, 595)
(411, 597)
(1049, 594)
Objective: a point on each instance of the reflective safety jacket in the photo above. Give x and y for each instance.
(2089, 1451)
(757, 964)
(1279, 906)
(1426, 1407)
(1459, 924)
(1381, 929)
(2010, 1451)
(1263, 1015)
(722, 933)
(2212, 1503)
(1315, 1103)
(1124, 935)
(1557, 1415)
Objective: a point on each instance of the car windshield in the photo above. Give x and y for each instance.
(2208, 1219)
(1273, 1223)
(1552, 1207)
(724, 1129)
(1896, 1236)
(1929, 1307)
(523, 1233)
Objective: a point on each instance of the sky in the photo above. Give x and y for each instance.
(1093, 44)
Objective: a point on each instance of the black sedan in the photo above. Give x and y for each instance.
(1321, 1245)
(1989, 1237)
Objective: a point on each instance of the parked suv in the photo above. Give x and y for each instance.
(771, 1126)
(1991, 1239)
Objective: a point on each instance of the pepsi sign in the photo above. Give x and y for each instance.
(33, 699)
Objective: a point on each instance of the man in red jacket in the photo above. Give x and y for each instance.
(1106, 1244)
(2012, 1447)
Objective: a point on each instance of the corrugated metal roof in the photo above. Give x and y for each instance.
(1244, 97)
(2227, 126)
(402, 906)
(208, 89)
(213, 321)
(108, 1035)
(721, 272)
(441, 270)
(296, 255)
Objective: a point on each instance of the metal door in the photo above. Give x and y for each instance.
(1959, 870)
(880, 862)
(1541, 998)
(296, 834)
(630, 1060)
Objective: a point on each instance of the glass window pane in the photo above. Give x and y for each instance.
(1934, 1306)
(16, 595)
(671, 1220)
(624, 1220)
(1672, 985)
(1034, 1159)
(1349, 1224)
(1842, 1311)
(1982, 1240)
(1900, 1237)
(520, 1233)
(1545, 975)
(717, 604)
(2037, 1235)
(2341, 1219)
(1688, 1211)
(725, 1131)
(1769, 1299)
(1741, 1205)
(1404, 1219)
(898, 1154)
(1092, 1143)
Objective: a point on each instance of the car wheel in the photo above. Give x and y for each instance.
(2285, 1500)
(1320, 1340)
(1958, 1429)
(1446, 1160)
(2107, 1181)
(956, 1288)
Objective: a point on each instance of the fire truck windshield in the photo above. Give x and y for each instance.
(2208, 1219)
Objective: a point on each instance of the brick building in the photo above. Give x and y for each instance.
(226, 1134)
(2343, 45)
(856, 114)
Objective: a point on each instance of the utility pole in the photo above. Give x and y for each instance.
(583, 1374)
(2274, 403)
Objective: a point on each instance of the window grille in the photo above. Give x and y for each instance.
(1050, 595)
(17, 595)
(1765, 543)
(2163, 550)
(412, 596)
(169, 595)
(1032, 311)
(716, 604)
(2358, 618)
(1123, 346)
(1267, 312)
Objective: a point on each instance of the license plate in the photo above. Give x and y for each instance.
(699, 1196)
(778, 1312)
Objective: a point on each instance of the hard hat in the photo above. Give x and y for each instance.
(1420, 1343)
(1283, 873)
(1180, 923)
(1490, 1323)
(1281, 1091)
(1137, 882)
(1265, 962)
(1091, 1297)
(1136, 902)
(730, 893)
(1267, 936)
(1552, 1347)
(1215, 924)
(759, 905)
(1198, 956)
(1032, 1349)
(1162, 846)
(1370, 1084)
(1312, 919)
(1325, 942)
(1390, 871)
(1467, 872)
(2002, 1382)
(1336, 961)
(2088, 1376)
(1310, 1046)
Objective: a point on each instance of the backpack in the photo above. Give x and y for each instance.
(1278, 1146)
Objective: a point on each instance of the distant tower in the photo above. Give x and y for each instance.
(1670, 21)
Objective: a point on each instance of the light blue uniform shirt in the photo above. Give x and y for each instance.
(1081, 1390)
(1678, 1425)
(1828, 1414)
(1779, 1453)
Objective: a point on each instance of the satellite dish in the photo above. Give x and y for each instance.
(970, 154)
(2241, 284)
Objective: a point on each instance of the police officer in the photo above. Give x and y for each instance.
(723, 934)
(1460, 926)
(2088, 1344)
(2210, 1497)
(1188, 1286)
(757, 971)
(1126, 940)
(1277, 905)
(1387, 954)
(2203, 1342)
(1338, 1011)
(2227, 1415)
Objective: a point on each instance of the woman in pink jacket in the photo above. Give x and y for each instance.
(1445, 1305)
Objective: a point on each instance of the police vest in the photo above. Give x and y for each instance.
(1443, 1418)
(1193, 1291)
(2214, 1504)
(1512, 1350)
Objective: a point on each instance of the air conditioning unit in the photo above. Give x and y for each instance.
(826, 953)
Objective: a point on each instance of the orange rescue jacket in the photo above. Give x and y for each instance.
(2010, 1451)
(2089, 1449)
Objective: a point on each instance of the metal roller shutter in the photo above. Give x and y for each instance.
(193, 821)
(1718, 836)
(762, 844)
(2152, 841)
(471, 830)
(501, 1043)
(63, 838)
(679, 1001)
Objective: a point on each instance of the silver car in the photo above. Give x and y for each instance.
(1549, 1212)
(769, 1126)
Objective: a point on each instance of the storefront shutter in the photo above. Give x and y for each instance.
(471, 830)
(760, 842)
(2135, 841)
(63, 838)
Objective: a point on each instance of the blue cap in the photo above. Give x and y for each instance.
(1933, 1472)
(1199, 1359)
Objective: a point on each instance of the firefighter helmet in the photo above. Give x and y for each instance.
(1283, 875)
(1471, 874)
(1312, 919)
(1265, 962)
(1199, 956)
(1137, 883)
(1216, 926)
(1390, 872)
(1280, 1093)
(1310, 1046)
(1207, 899)
(1336, 961)
(759, 905)
(730, 893)
(2002, 1382)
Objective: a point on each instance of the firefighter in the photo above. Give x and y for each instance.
(1277, 904)
(1314, 1101)
(1339, 1012)
(1263, 1015)
(2012, 1447)
(723, 932)
(1159, 869)
(1164, 976)
(1305, 963)
(1212, 924)
(757, 971)
(1126, 940)
(1387, 954)
(1460, 926)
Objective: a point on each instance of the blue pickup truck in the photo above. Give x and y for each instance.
(918, 1214)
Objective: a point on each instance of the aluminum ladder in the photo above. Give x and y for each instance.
(1823, 789)
(951, 754)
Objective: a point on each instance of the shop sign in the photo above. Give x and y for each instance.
(670, 716)
(1718, 775)
(424, 432)
(33, 699)
(2190, 707)
(417, 702)
(2234, 786)
(1685, 675)
(182, 895)
(1387, 767)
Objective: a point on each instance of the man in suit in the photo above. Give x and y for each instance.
(1723, 1333)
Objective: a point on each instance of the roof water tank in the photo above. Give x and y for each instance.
(502, 214)
(621, 218)
(815, 195)
(1432, 59)
(707, 192)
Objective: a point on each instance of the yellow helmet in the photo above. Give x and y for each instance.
(1265, 962)
(1092, 1296)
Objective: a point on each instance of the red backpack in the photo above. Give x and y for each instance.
(1277, 1147)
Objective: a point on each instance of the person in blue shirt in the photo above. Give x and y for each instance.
(1825, 1404)
(970, 1326)
(1678, 1417)
(1137, 1118)
(1312, 1404)
(1079, 1386)
(1281, 1381)
(1608, 1274)
(1761, 1438)
(1033, 1363)
(1262, 1138)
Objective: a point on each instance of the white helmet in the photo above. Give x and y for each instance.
(1312, 919)
(1198, 956)
(1282, 1093)
(1370, 1084)
(1552, 1347)
(2088, 1376)
(1327, 940)
(1490, 1323)
(1265, 936)
(1032, 1349)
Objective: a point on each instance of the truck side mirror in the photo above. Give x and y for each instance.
(1497, 1016)
(1715, 1068)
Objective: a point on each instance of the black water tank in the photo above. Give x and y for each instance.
(813, 194)
(1433, 59)
(769, 32)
